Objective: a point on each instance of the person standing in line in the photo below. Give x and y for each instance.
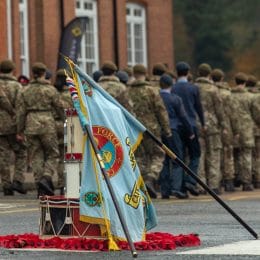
(35, 121)
(6, 114)
(227, 159)
(190, 96)
(111, 83)
(172, 175)
(243, 125)
(150, 111)
(215, 125)
(123, 76)
(9, 143)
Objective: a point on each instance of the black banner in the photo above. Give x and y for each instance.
(70, 41)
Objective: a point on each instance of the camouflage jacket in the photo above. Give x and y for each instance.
(9, 91)
(242, 118)
(213, 109)
(35, 106)
(117, 90)
(149, 108)
(225, 94)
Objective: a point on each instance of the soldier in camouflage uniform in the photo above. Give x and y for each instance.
(6, 114)
(214, 126)
(113, 86)
(243, 126)
(227, 166)
(9, 143)
(35, 120)
(254, 88)
(60, 85)
(150, 110)
(158, 70)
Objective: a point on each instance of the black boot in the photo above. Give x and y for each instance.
(8, 192)
(217, 191)
(229, 186)
(18, 186)
(247, 187)
(151, 190)
(192, 189)
(45, 186)
(257, 185)
(62, 191)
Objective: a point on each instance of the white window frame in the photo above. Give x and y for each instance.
(91, 14)
(132, 20)
(24, 34)
(9, 28)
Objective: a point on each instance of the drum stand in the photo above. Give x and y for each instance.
(60, 214)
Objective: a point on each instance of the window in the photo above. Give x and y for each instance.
(24, 48)
(88, 58)
(136, 34)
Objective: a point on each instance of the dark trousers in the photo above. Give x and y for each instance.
(192, 149)
(172, 175)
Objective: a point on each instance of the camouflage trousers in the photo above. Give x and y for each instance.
(8, 144)
(44, 153)
(209, 167)
(227, 163)
(256, 160)
(243, 164)
(150, 159)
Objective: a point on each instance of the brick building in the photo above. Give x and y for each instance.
(124, 31)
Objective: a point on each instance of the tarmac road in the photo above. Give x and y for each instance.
(200, 215)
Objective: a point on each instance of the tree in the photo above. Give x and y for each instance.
(206, 25)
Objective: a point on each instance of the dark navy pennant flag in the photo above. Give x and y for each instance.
(71, 40)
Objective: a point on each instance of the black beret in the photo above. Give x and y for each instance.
(97, 74)
(182, 66)
(123, 76)
(166, 79)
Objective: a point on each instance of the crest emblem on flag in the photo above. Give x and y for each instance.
(110, 147)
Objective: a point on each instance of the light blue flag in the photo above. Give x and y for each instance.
(117, 134)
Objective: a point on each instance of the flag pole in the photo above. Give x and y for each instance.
(111, 191)
(174, 157)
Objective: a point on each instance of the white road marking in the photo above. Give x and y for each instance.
(10, 206)
(8, 211)
(251, 247)
(6, 206)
